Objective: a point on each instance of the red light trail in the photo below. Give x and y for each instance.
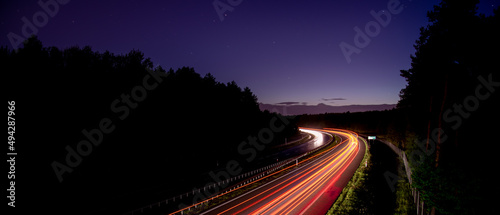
(309, 189)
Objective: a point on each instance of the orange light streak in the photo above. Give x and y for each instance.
(313, 180)
(287, 202)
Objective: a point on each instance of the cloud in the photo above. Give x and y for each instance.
(288, 103)
(333, 99)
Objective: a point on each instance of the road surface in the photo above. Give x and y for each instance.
(310, 188)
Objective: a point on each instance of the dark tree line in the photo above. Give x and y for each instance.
(447, 118)
(452, 106)
(165, 129)
(363, 122)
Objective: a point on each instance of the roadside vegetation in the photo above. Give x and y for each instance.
(404, 199)
(369, 192)
(348, 201)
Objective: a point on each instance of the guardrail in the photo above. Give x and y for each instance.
(248, 176)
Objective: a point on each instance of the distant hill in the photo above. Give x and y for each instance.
(322, 108)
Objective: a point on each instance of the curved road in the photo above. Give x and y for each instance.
(311, 188)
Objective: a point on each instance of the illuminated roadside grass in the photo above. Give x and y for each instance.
(404, 200)
(345, 203)
(223, 197)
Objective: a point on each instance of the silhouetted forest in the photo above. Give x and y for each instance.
(448, 114)
(158, 132)
(451, 102)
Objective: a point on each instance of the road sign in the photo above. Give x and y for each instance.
(372, 137)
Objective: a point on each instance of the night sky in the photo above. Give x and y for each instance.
(285, 51)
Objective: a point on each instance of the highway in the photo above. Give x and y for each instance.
(311, 187)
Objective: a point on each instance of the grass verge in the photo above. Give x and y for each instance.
(347, 202)
(404, 199)
(369, 191)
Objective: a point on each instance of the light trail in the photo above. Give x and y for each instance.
(318, 136)
(310, 188)
(309, 170)
(307, 190)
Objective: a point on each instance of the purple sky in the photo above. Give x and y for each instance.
(285, 51)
